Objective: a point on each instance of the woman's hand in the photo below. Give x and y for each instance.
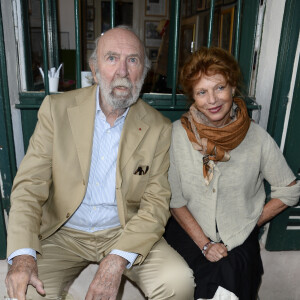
(215, 252)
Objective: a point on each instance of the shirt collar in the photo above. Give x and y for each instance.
(101, 114)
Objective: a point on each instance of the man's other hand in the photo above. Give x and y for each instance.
(106, 282)
(22, 272)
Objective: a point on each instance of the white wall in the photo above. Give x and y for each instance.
(268, 56)
(67, 20)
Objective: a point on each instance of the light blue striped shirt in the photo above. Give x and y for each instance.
(98, 210)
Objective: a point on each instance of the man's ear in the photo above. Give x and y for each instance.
(92, 67)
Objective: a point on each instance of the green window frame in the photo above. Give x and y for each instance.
(172, 105)
(7, 152)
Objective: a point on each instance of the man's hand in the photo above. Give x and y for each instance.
(106, 282)
(215, 252)
(22, 272)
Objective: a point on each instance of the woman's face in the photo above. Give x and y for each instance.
(213, 97)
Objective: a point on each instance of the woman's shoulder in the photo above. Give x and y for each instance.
(257, 132)
(177, 124)
(177, 128)
(179, 136)
(258, 137)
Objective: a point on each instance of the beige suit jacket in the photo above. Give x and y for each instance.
(52, 179)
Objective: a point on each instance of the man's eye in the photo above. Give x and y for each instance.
(221, 87)
(111, 58)
(133, 60)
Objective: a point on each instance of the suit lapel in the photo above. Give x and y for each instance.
(82, 119)
(133, 132)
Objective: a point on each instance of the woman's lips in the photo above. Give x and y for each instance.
(215, 110)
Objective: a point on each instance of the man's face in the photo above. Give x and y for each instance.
(119, 70)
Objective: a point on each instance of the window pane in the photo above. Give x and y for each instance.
(35, 44)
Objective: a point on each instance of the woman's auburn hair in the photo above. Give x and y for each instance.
(209, 61)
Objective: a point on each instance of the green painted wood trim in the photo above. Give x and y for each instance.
(3, 234)
(77, 42)
(52, 25)
(33, 100)
(7, 150)
(112, 14)
(31, 95)
(173, 48)
(249, 16)
(292, 143)
(27, 45)
(6, 103)
(44, 46)
(211, 22)
(279, 238)
(237, 28)
(284, 68)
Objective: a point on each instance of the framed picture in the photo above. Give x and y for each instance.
(187, 43)
(90, 46)
(183, 9)
(90, 13)
(188, 9)
(203, 28)
(201, 5)
(90, 36)
(29, 7)
(64, 40)
(152, 53)
(156, 8)
(226, 28)
(152, 36)
(90, 25)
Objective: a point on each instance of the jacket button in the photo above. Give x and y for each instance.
(68, 215)
(40, 236)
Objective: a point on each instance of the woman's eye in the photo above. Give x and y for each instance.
(200, 93)
(221, 87)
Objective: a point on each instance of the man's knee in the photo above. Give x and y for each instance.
(179, 283)
(164, 274)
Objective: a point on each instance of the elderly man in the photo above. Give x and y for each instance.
(93, 188)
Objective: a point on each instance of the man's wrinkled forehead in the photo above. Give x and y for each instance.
(120, 40)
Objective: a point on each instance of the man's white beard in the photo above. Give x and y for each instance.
(119, 99)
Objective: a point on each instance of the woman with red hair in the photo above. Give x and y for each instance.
(219, 159)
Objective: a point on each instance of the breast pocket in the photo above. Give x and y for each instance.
(135, 184)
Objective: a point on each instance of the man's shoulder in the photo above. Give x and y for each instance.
(72, 97)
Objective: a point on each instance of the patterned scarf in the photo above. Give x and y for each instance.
(214, 143)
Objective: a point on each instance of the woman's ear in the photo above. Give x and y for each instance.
(233, 91)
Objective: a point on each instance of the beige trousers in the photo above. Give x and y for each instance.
(163, 275)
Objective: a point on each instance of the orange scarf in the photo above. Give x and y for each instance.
(214, 143)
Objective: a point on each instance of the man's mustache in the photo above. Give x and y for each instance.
(121, 82)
